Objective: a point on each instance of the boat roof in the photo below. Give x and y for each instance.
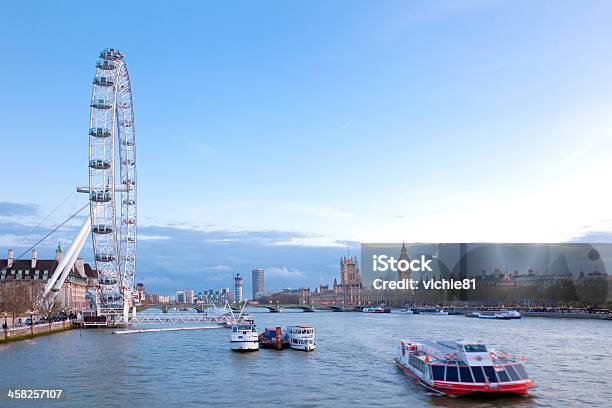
(447, 346)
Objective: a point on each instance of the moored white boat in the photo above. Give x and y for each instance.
(244, 337)
(402, 311)
(462, 367)
(503, 315)
(434, 312)
(508, 314)
(301, 338)
(376, 309)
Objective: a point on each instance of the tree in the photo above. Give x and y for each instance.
(563, 291)
(48, 309)
(15, 296)
(593, 291)
(32, 302)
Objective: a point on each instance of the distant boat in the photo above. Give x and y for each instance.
(402, 311)
(434, 312)
(376, 309)
(273, 338)
(503, 315)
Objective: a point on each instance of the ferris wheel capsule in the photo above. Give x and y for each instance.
(111, 54)
(103, 81)
(100, 132)
(106, 65)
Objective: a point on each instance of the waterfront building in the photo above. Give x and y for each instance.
(257, 277)
(186, 296)
(325, 296)
(189, 296)
(347, 292)
(165, 299)
(288, 296)
(34, 273)
(152, 299)
(350, 281)
(401, 275)
(214, 296)
(140, 293)
(238, 288)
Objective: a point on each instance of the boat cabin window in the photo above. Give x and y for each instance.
(490, 373)
(452, 374)
(521, 371)
(466, 375)
(478, 374)
(503, 376)
(475, 348)
(438, 372)
(512, 373)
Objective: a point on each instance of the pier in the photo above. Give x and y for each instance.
(167, 329)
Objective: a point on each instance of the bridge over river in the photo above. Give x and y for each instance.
(272, 307)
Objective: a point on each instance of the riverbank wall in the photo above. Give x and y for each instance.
(559, 315)
(29, 332)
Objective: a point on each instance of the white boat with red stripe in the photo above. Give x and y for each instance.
(463, 367)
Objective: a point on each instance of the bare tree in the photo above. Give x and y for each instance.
(33, 302)
(15, 297)
(4, 308)
(48, 308)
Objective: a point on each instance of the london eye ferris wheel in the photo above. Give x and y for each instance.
(112, 180)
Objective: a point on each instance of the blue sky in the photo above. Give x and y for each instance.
(296, 129)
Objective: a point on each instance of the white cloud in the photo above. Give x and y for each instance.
(144, 237)
(217, 268)
(284, 272)
(313, 241)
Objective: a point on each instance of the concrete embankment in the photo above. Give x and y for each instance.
(560, 315)
(28, 332)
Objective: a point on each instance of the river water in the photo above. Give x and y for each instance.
(353, 366)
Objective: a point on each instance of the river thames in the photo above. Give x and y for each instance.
(570, 360)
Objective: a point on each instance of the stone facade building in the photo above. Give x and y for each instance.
(34, 273)
(347, 292)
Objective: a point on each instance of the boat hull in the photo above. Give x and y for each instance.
(305, 347)
(244, 346)
(458, 389)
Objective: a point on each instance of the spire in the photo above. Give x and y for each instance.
(59, 252)
(404, 252)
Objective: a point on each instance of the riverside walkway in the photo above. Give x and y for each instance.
(26, 332)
